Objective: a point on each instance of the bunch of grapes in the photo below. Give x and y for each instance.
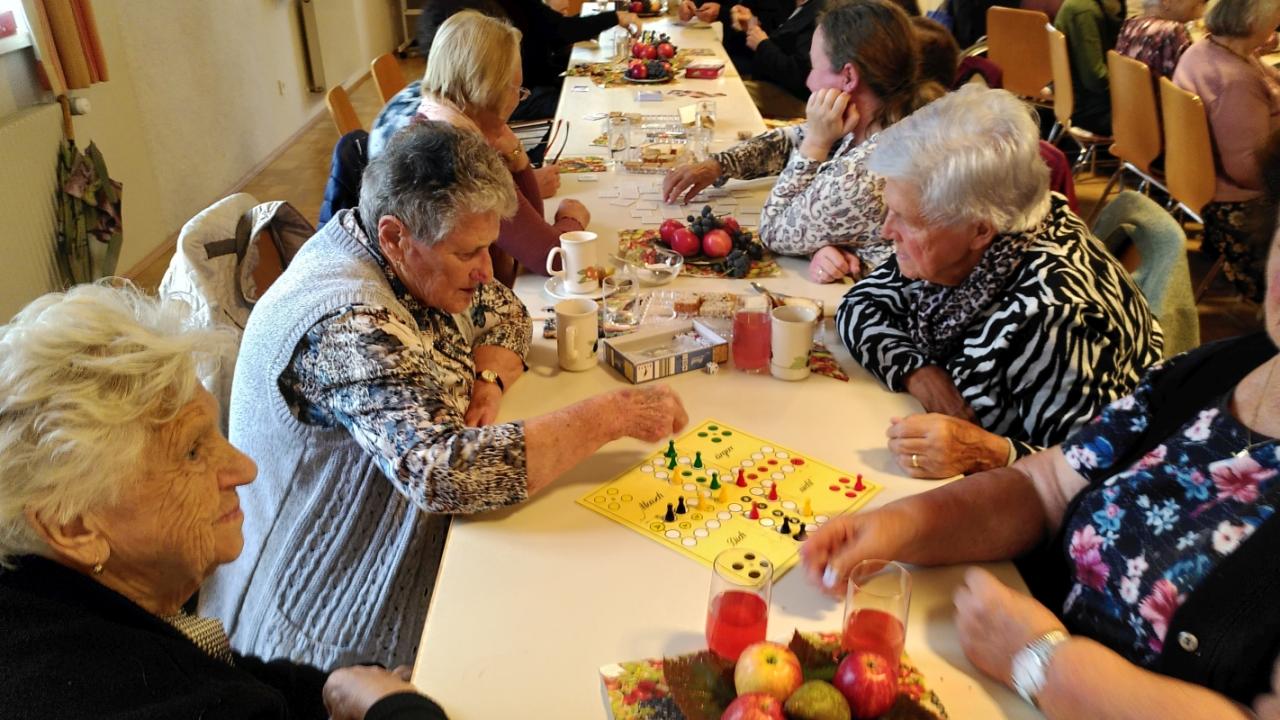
(700, 224)
(655, 68)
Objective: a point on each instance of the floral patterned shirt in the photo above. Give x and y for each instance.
(1156, 42)
(1144, 539)
(402, 392)
(814, 204)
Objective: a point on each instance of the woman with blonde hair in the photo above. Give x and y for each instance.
(826, 203)
(473, 82)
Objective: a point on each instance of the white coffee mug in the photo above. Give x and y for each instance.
(578, 256)
(577, 326)
(790, 340)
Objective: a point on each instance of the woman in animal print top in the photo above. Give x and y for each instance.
(999, 312)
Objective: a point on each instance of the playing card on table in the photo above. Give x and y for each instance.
(647, 205)
(629, 191)
(622, 202)
(609, 192)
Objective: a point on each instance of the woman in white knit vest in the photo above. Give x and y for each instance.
(367, 383)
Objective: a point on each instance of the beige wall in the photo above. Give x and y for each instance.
(201, 93)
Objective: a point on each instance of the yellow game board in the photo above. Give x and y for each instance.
(808, 493)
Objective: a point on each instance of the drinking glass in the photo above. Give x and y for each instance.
(620, 139)
(621, 301)
(875, 609)
(706, 115)
(738, 608)
(751, 334)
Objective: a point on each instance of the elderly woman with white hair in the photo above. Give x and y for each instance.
(118, 497)
(368, 384)
(999, 311)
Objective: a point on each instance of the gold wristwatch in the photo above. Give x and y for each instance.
(490, 376)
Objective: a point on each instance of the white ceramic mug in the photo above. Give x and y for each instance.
(577, 326)
(578, 255)
(790, 340)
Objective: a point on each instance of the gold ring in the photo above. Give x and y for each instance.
(915, 460)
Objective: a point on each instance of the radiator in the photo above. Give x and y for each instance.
(28, 178)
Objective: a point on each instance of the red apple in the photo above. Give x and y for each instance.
(768, 668)
(754, 706)
(730, 224)
(668, 228)
(644, 51)
(637, 7)
(666, 50)
(868, 682)
(716, 244)
(685, 242)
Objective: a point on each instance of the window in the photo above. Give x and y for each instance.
(14, 31)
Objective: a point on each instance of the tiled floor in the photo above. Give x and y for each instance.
(299, 174)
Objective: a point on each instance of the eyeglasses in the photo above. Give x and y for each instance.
(525, 93)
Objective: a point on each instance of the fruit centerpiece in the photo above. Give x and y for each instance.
(643, 8)
(712, 239)
(651, 56)
(809, 679)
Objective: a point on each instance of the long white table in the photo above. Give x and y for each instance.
(531, 601)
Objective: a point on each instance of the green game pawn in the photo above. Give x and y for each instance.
(715, 481)
(671, 449)
(697, 459)
(672, 465)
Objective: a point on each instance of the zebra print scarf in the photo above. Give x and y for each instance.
(940, 314)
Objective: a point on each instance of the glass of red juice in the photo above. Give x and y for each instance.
(876, 607)
(738, 608)
(751, 323)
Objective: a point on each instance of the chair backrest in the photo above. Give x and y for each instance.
(1162, 271)
(1018, 43)
(1064, 95)
(1188, 156)
(341, 112)
(387, 76)
(1135, 119)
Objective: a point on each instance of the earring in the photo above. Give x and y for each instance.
(97, 568)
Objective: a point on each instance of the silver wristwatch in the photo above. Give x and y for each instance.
(1030, 663)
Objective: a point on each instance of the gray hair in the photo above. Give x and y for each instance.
(473, 61)
(1237, 18)
(86, 376)
(428, 175)
(974, 155)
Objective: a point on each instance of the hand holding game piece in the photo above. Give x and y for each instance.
(844, 541)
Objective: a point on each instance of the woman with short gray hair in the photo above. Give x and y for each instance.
(999, 311)
(1241, 96)
(118, 497)
(368, 385)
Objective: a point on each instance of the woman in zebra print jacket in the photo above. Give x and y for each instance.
(1000, 313)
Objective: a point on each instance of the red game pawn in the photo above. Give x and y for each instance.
(773, 491)
(858, 485)
(755, 512)
(742, 479)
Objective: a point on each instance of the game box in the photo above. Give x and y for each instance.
(662, 352)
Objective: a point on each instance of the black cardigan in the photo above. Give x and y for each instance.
(73, 648)
(783, 59)
(1234, 614)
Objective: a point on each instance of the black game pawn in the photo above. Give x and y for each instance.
(680, 509)
(671, 514)
(786, 526)
(800, 536)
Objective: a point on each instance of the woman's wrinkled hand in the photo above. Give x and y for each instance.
(844, 541)
(708, 12)
(932, 445)
(995, 621)
(832, 264)
(486, 399)
(648, 414)
(573, 210)
(351, 691)
(548, 177)
(686, 181)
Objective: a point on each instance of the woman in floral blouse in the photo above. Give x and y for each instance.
(1159, 36)
(826, 204)
(1162, 510)
(368, 389)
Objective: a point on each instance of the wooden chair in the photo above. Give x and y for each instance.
(1135, 125)
(1064, 99)
(1018, 43)
(341, 112)
(1189, 169)
(387, 76)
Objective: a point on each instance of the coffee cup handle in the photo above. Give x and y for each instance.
(551, 258)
